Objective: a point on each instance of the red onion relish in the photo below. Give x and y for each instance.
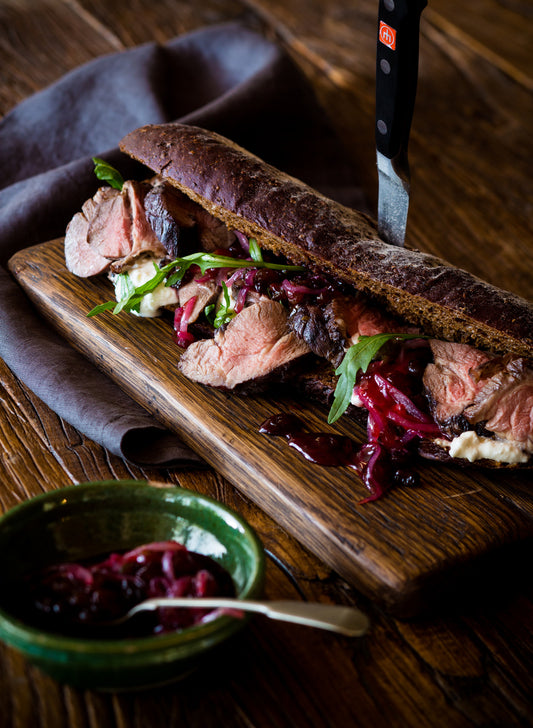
(181, 322)
(79, 598)
(391, 391)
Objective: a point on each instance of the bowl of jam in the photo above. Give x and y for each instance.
(75, 559)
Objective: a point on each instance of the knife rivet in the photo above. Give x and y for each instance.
(384, 65)
(382, 127)
(389, 4)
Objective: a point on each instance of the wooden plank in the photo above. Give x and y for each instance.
(400, 550)
(495, 29)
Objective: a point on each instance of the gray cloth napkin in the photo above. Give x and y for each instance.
(225, 78)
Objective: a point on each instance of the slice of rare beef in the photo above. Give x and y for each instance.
(329, 330)
(110, 226)
(356, 317)
(110, 229)
(142, 239)
(309, 323)
(204, 289)
(81, 258)
(170, 215)
(505, 401)
(254, 344)
(173, 216)
(449, 384)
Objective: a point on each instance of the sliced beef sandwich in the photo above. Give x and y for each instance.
(269, 281)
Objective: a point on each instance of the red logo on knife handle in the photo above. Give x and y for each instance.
(387, 35)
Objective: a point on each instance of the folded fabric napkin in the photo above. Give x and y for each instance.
(225, 78)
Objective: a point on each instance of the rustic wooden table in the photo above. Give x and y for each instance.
(472, 202)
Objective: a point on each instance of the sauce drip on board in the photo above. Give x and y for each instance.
(391, 392)
(377, 468)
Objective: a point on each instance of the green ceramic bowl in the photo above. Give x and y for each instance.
(91, 519)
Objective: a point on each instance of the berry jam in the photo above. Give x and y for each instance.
(79, 598)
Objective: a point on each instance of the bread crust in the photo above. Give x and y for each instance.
(294, 220)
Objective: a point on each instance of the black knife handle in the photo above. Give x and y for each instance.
(396, 72)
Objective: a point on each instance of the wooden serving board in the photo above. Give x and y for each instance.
(404, 550)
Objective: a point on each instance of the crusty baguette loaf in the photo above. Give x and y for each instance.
(291, 219)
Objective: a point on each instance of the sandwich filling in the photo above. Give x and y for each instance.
(247, 321)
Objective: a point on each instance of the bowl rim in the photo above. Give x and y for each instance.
(34, 641)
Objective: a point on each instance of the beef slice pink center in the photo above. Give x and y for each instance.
(448, 380)
(255, 343)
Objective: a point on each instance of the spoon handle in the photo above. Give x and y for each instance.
(345, 620)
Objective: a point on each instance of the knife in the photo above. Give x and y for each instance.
(396, 79)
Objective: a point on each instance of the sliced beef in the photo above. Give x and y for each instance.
(254, 344)
(142, 239)
(468, 389)
(206, 292)
(180, 223)
(170, 215)
(116, 226)
(504, 403)
(309, 323)
(329, 330)
(80, 258)
(102, 194)
(449, 384)
(356, 317)
(109, 231)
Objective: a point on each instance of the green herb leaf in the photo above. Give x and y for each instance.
(174, 271)
(124, 290)
(356, 359)
(107, 306)
(225, 312)
(209, 313)
(255, 251)
(105, 172)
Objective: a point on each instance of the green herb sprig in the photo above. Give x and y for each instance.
(107, 173)
(255, 251)
(225, 311)
(129, 297)
(356, 359)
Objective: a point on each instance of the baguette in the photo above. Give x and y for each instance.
(293, 220)
(455, 378)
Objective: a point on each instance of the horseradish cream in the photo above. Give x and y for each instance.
(473, 447)
(141, 271)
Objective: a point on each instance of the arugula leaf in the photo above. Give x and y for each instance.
(225, 312)
(107, 306)
(105, 172)
(124, 288)
(358, 358)
(255, 251)
(129, 298)
(212, 260)
(209, 313)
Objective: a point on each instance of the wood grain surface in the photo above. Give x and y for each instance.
(467, 663)
(402, 551)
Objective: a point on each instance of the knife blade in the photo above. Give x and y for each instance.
(396, 81)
